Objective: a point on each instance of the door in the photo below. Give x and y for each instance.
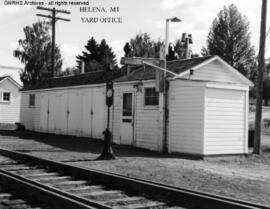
(44, 112)
(75, 113)
(61, 113)
(98, 113)
(225, 121)
(127, 122)
(87, 113)
(93, 102)
(51, 113)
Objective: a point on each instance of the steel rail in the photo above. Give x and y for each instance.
(189, 197)
(40, 193)
(261, 206)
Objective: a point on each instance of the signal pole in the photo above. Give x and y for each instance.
(259, 92)
(54, 19)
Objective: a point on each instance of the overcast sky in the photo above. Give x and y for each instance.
(138, 16)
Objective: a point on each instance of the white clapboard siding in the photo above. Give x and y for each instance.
(72, 111)
(44, 112)
(146, 120)
(186, 116)
(214, 71)
(225, 121)
(10, 112)
(30, 116)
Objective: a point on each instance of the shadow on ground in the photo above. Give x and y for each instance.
(86, 145)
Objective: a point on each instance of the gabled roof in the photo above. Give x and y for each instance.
(180, 67)
(3, 78)
(176, 66)
(97, 77)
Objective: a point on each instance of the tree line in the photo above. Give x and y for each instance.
(229, 38)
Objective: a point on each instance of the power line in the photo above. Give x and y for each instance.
(53, 17)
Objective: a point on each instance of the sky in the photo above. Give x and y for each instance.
(137, 16)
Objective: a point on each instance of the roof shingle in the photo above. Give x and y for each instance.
(98, 77)
(176, 66)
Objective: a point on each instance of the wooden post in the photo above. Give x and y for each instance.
(54, 19)
(53, 42)
(259, 90)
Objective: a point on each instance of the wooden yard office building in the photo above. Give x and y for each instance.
(207, 102)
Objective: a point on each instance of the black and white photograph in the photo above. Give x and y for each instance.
(134, 104)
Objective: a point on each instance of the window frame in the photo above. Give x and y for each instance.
(144, 98)
(29, 102)
(123, 110)
(6, 101)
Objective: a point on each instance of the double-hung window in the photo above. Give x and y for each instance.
(6, 96)
(32, 100)
(151, 97)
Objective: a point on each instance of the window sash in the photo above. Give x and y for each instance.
(6, 97)
(151, 97)
(32, 99)
(127, 104)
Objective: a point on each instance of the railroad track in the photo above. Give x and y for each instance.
(10, 200)
(89, 188)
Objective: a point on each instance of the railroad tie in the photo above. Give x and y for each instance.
(4, 196)
(54, 179)
(85, 189)
(104, 195)
(69, 184)
(125, 201)
(146, 205)
(40, 175)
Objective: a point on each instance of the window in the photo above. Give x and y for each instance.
(151, 97)
(127, 104)
(32, 100)
(6, 97)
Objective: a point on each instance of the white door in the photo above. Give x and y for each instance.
(87, 113)
(225, 121)
(61, 113)
(98, 113)
(44, 112)
(93, 117)
(75, 113)
(127, 121)
(51, 113)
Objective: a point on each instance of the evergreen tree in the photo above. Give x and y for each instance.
(97, 56)
(229, 38)
(35, 52)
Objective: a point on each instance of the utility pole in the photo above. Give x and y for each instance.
(54, 19)
(164, 87)
(259, 91)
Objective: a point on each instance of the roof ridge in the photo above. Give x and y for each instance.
(179, 60)
(10, 67)
(77, 74)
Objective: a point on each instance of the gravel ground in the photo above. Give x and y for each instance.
(244, 178)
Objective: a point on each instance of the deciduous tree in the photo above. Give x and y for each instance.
(35, 52)
(229, 38)
(143, 46)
